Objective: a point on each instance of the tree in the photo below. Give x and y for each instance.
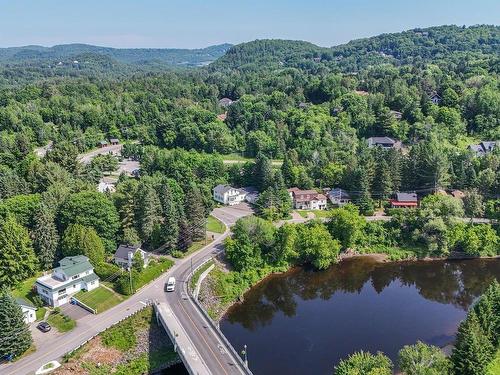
(473, 204)
(45, 237)
(316, 246)
(15, 336)
(422, 359)
(17, 258)
(65, 154)
(80, 240)
(487, 310)
(473, 351)
(442, 205)
(195, 213)
(383, 183)
(363, 363)
(480, 240)
(263, 172)
(170, 213)
(185, 236)
(148, 211)
(92, 209)
(346, 225)
(138, 262)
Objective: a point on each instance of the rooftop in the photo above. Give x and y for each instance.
(123, 250)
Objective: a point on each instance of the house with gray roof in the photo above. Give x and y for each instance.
(124, 255)
(384, 142)
(225, 102)
(73, 274)
(339, 197)
(483, 148)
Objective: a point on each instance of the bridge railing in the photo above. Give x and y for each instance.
(212, 324)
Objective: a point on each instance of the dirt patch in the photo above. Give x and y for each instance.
(95, 353)
(377, 257)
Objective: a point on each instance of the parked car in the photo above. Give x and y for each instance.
(170, 286)
(44, 326)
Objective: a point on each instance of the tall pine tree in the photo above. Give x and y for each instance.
(148, 210)
(45, 237)
(170, 213)
(473, 350)
(15, 336)
(263, 172)
(195, 213)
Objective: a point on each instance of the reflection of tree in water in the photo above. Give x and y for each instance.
(450, 282)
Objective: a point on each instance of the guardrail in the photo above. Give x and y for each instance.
(212, 324)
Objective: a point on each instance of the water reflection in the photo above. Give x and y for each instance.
(358, 304)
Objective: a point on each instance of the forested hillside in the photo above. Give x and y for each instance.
(313, 108)
(20, 65)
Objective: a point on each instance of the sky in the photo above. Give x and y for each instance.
(200, 23)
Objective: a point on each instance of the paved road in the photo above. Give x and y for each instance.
(55, 346)
(206, 341)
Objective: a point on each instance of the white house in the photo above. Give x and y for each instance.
(226, 194)
(339, 197)
(124, 255)
(73, 274)
(29, 310)
(106, 185)
(307, 199)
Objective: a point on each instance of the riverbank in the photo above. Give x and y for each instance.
(135, 346)
(223, 288)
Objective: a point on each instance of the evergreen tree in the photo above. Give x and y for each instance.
(473, 204)
(487, 310)
(148, 210)
(15, 336)
(170, 213)
(125, 201)
(473, 350)
(263, 172)
(45, 237)
(138, 262)
(195, 213)
(17, 257)
(363, 199)
(185, 236)
(383, 180)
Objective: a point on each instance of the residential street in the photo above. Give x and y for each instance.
(55, 346)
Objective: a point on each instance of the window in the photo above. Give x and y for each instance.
(62, 291)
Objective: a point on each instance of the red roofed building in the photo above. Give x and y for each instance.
(307, 199)
(404, 200)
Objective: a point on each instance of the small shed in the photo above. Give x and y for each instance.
(29, 310)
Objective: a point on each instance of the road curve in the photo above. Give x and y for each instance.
(207, 341)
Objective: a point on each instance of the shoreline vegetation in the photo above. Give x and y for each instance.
(218, 307)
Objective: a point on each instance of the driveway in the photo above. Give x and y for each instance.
(75, 312)
(88, 156)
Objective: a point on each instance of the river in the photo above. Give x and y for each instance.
(305, 321)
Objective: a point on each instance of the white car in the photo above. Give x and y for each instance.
(170, 287)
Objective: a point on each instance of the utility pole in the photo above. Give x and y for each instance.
(130, 275)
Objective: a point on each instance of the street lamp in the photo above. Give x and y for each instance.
(244, 352)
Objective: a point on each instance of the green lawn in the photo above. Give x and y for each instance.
(99, 299)
(24, 289)
(494, 366)
(317, 213)
(40, 313)
(215, 225)
(61, 322)
(198, 273)
(152, 271)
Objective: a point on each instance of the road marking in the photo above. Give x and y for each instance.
(203, 338)
(144, 303)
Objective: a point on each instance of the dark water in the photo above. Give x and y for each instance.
(304, 322)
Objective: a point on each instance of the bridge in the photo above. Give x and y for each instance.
(199, 342)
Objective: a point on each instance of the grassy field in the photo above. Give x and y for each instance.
(125, 341)
(152, 271)
(494, 366)
(99, 299)
(317, 213)
(61, 322)
(215, 225)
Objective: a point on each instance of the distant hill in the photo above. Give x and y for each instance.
(67, 53)
(395, 48)
(19, 65)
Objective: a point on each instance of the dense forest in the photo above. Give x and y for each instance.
(310, 107)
